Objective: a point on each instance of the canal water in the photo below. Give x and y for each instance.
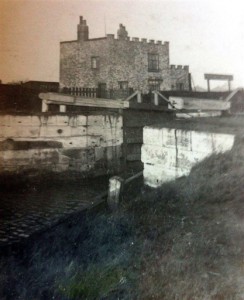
(33, 207)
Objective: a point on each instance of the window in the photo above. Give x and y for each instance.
(95, 62)
(154, 84)
(123, 85)
(153, 62)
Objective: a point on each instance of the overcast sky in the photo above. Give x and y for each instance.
(206, 35)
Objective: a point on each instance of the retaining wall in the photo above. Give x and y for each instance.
(170, 153)
(89, 143)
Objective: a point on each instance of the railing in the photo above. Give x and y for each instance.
(97, 93)
(147, 100)
(83, 92)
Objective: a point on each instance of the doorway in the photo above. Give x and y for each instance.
(102, 90)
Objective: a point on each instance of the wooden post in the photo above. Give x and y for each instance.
(124, 147)
(155, 98)
(139, 97)
(208, 85)
(229, 86)
(116, 187)
(114, 194)
(62, 108)
(44, 106)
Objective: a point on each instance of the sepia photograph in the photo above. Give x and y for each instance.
(121, 150)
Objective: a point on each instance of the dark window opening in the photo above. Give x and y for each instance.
(153, 62)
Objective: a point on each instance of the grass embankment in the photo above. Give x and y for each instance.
(182, 241)
(193, 232)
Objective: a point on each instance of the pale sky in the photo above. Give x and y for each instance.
(206, 35)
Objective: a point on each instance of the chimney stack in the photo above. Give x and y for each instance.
(82, 30)
(122, 33)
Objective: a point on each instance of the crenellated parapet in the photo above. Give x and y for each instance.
(179, 67)
(137, 40)
(110, 36)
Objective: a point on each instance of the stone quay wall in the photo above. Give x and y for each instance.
(90, 143)
(169, 153)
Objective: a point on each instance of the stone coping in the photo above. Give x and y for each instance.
(230, 124)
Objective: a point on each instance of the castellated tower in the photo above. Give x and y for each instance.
(82, 30)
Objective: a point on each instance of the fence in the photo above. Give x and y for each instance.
(84, 92)
(98, 93)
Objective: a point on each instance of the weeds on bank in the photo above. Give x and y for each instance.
(192, 233)
(96, 282)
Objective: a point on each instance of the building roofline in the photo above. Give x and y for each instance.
(94, 39)
(100, 38)
(69, 41)
(128, 39)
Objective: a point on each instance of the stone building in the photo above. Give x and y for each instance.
(121, 63)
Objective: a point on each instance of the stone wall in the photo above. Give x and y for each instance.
(170, 153)
(119, 60)
(133, 123)
(179, 77)
(75, 63)
(86, 63)
(89, 143)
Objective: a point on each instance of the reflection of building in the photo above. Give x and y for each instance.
(121, 63)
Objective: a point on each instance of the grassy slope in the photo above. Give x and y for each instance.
(193, 233)
(182, 241)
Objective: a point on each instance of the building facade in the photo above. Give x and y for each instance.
(121, 63)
